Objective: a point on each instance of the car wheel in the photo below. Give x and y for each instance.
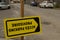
(44, 6)
(9, 7)
(51, 7)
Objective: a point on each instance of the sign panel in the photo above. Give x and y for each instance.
(22, 26)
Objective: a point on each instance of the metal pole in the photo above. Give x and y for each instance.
(22, 13)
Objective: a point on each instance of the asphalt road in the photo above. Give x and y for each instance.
(50, 21)
(7, 13)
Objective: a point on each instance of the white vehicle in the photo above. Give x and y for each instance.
(4, 5)
(46, 4)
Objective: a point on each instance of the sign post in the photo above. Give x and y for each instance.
(22, 8)
(22, 13)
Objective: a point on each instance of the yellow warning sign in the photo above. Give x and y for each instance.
(22, 26)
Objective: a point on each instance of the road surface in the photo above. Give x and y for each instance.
(50, 21)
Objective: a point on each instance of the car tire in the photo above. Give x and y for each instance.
(9, 7)
(51, 7)
(44, 6)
